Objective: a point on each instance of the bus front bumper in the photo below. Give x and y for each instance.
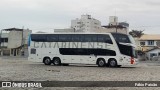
(129, 63)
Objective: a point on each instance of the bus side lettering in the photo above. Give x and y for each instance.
(75, 45)
(99, 45)
(36, 45)
(43, 45)
(83, 45)
(90, 44)
(63, 45)
(50, 44)
(56, 45)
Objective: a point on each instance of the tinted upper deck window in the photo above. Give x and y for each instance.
(121, 38)
(65, 38)
(38, 37)
(52, 38)
(90, 38)
(77, 38)
(104, 38)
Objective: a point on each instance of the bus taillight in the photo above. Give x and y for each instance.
(132, 60)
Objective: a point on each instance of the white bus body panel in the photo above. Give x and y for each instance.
(49, 49)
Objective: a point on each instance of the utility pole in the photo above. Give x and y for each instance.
(1, 42)
(115, 18)
(22, 36)
(116, 27)
(22, 43)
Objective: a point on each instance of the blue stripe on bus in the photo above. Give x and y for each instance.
(29, 40)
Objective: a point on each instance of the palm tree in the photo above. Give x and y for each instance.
(136, 33)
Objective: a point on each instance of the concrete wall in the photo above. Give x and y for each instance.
(14, 39)
(64, 30)
(137, 42)
(146, 48)
(6, 52)
(107, 30)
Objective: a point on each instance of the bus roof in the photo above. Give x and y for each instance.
(82, 33)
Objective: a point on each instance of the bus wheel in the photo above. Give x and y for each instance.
(112, 63)
(47, 61)
(57, 61)
(101, 62)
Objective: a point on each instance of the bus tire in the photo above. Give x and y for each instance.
(57, 61)
(112, 62)
(101, 62)
(47, 61)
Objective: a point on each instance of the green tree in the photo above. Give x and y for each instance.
(136, 33)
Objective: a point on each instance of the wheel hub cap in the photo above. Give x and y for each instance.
(101, 63)
(112, 63)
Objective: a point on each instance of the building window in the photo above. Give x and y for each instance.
(142, 43)
(4, 39)
(78, 22)
(153, 54)
(96, 23)
(150, 42)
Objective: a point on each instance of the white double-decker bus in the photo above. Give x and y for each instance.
(111, 49)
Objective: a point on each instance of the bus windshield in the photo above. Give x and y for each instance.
(127, 50)
(122, 41)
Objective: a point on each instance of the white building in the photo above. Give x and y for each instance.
(149, 41)
(86, 24)
(150, 44)
(14, 42)
(153, 54)
(115, 26)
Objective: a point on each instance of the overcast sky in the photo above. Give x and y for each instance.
(46, 15)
